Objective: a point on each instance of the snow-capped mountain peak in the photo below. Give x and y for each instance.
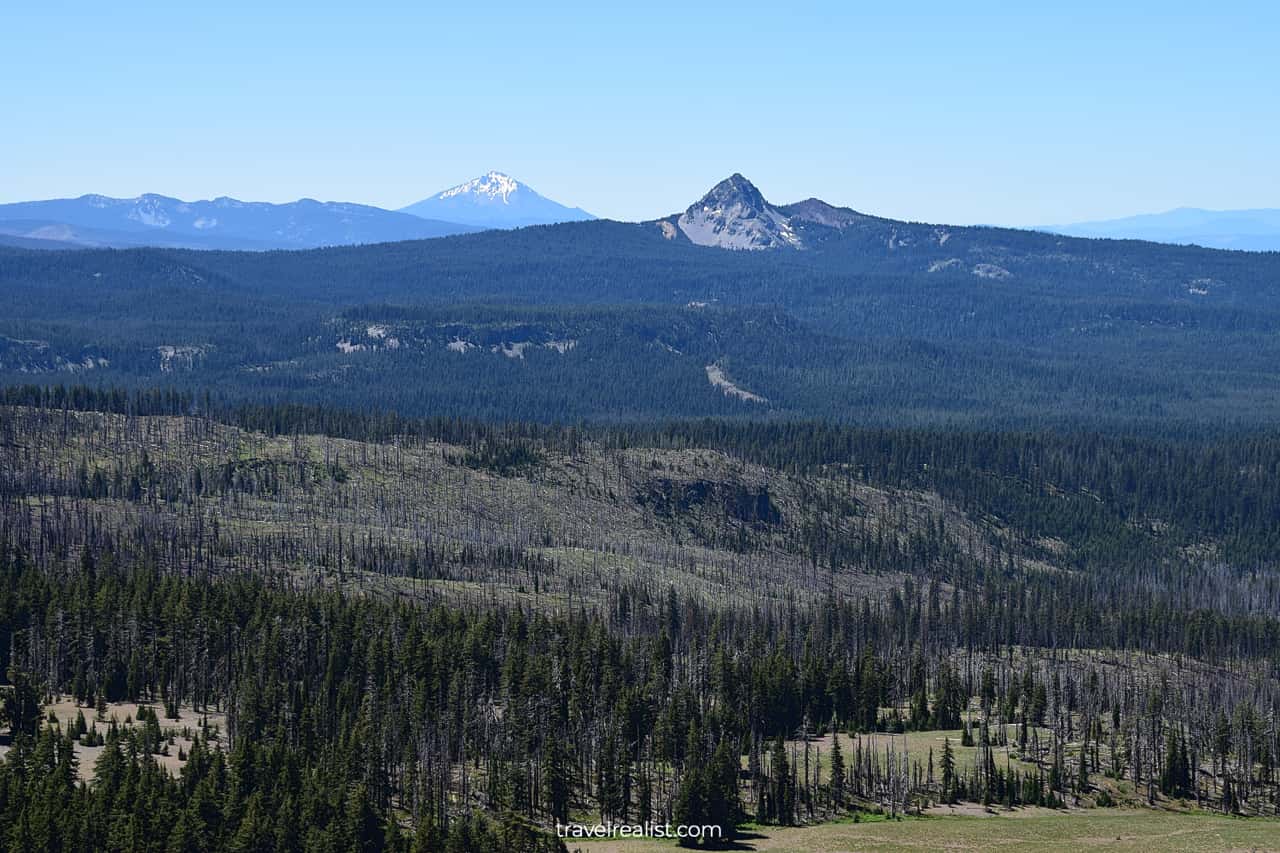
(495, 200)
(492, 185)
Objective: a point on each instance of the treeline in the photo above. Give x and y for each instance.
(1094, 491)
(1138, 589)
(1077, 486)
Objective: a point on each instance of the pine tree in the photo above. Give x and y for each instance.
(21, 707)
(364, 826)
(948, 771)
(720, 791)
(556, 785)
(783, 792)
(837, 773)
(691, 802)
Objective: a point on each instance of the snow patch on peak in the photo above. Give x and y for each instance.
(150, 210)
(493, 185)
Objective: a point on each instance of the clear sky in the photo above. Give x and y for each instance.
(956, 112)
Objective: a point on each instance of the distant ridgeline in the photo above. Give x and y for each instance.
(833, 315)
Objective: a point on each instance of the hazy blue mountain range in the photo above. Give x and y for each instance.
(223, 223)
(1248, 230)
(495, 200)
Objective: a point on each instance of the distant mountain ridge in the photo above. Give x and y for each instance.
(495, 200)
(221, 223)
(735, 215)
(1255, 230)
(835, 313)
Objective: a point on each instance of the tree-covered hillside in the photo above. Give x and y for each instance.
(873, 322)
(303, 628)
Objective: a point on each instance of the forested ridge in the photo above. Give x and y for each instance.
(885, 323)
(447, 634)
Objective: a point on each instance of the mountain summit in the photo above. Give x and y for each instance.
(734, 215)
(495, 200)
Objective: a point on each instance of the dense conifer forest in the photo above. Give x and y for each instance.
(231, 627)
(879, 322)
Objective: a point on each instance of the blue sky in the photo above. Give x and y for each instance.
(955, 112)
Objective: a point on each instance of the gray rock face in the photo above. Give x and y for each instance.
(734, 215)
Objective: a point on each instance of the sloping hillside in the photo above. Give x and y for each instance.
(860, 319)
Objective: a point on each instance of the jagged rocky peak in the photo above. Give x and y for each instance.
(734, 189)
(735, 215)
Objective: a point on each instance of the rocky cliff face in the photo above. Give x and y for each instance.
(734, 215)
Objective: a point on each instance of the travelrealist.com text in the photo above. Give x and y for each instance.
(637, 830)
